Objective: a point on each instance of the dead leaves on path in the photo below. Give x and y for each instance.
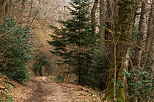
(77, 92)
(83, 94)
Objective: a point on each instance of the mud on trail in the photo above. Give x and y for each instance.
(45, 90)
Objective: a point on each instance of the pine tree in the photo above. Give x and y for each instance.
(76, 40)
(16, 50)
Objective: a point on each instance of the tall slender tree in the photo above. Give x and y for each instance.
(152, 52)
(2, 10)
(93, 15)
(140, 36)
(110, 27)
(102, 25)
(121, 38)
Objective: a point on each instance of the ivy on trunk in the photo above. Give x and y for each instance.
(123, 33)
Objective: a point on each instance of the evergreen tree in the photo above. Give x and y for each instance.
(16, 50)
(75, 41)
(97, 75)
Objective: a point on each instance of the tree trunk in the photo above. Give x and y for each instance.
(152, 63)
(2, 10)
(110, 27)
(149, 39)
(140, 37)
(152, 45)
(93, 17)
(122, 36)
(102, 25)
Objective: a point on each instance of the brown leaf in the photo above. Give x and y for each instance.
(2, 88)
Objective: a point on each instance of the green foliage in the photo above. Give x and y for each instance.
(42, 60)
(57, 78)
(36, 67)
(140, 84)
(18, 74)
(10, 83)
(98, 72)
(16, 50)
(75, 42)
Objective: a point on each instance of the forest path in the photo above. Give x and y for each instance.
(45, 90)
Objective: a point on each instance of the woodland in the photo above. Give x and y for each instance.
(106, 45)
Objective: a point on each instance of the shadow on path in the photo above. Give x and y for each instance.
(37, 93)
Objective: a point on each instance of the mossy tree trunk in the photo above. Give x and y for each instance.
(123, 33)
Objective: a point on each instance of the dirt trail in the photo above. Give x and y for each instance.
(42, 89)
(45, 90)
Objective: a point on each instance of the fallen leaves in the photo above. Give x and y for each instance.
(2, 88)
(84, 94)
(77, 92)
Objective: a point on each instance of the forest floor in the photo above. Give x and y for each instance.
(42, 89)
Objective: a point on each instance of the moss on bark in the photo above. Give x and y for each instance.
(126, 17)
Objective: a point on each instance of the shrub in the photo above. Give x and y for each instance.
(15, 49)
(140, 84)
(36, 67)
(98, 72)
(42, 60)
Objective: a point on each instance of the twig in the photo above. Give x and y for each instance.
(139, 47)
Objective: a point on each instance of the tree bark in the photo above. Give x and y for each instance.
(149, 38)
(152, 45)
(102, 25)
(93, 16)
(110, 27)
(2, 10)
(140, 37)
(123, 32)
